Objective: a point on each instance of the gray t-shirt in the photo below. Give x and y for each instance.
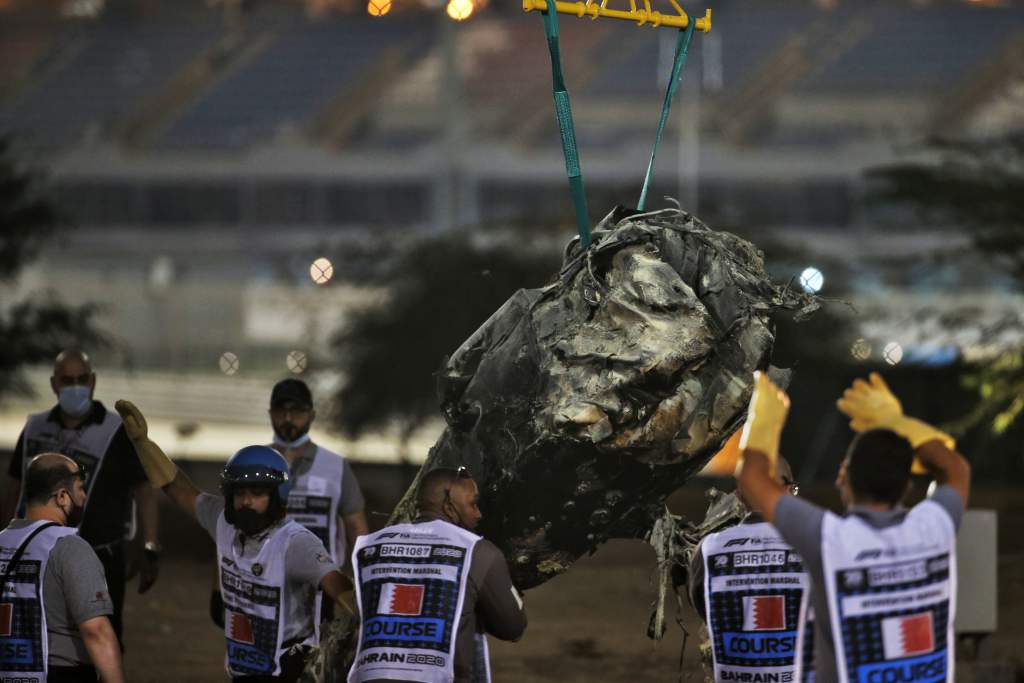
(800, 524)
(306, 564)
(74, 590)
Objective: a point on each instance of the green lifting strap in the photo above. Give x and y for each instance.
(564, 114)
(682, 48)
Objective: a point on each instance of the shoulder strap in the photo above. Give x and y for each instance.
(563, 112)
(682, 49)
(21, 551)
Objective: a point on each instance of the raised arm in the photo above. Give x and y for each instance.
(872, 405)
(759, 447)
(161, 472)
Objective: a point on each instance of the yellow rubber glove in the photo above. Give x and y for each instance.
(158, 467)
(872, 405)
(766, 417)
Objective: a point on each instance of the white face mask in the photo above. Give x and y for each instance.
(278, 441)
(75, 400)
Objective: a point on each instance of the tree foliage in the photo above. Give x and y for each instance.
(440, 289)
(34, 327)
(977, 185)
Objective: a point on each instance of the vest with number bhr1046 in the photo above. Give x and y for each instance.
(891, 595)
(410, 585)
(254, 591)
(24, 641)
(314, 499)
(755, 595)
(87, 446)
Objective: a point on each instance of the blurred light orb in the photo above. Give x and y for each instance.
(892, 353)
(861, 349)
(378, 8)
(229, 363)
(812, 280)
(297, 362)
(460, 10)
(321, 271)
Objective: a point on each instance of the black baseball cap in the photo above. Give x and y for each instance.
(291, 390)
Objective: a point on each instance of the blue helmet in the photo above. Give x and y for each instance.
(256, 466)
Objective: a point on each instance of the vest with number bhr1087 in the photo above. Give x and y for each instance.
(87, 446)
(24, 641)
(254, 591)
(892, 596)
(755, 596)
(314, 499)
(411, 585)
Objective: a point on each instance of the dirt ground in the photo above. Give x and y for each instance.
(587, 625)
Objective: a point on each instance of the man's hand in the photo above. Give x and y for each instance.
(158, 467)
(872, 405)
(766, 417)
(134, 423)
(149, 569)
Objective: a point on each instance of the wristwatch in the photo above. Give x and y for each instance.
(155, 548)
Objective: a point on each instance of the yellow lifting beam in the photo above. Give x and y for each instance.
(640, 15)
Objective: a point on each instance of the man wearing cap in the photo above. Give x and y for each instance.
(324, 488)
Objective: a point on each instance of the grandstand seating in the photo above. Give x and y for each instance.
(302, 70)
(99, 76)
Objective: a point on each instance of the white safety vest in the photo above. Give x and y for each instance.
(411, 585)
(24, 639)
(86, 446)
(755, 597)
(892, 596)
(255, 590)
(314, 499)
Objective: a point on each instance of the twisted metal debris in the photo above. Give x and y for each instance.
(581, 406)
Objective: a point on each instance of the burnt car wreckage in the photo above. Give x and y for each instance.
(581, 406)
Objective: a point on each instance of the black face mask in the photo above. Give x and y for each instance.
(74, 517)
(250, 522)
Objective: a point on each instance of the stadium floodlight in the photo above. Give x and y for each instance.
(812, 280)
(861, 349)
(321, 271)
(378, 8)
(460, 10)
(892, 353)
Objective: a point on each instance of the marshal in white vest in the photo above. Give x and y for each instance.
(86, 446)
(314, 500)
(24, 640)
(255, 591)
(892, 596)
(411, 585)
(755, 596)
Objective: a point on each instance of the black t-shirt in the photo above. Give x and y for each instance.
(108, 512)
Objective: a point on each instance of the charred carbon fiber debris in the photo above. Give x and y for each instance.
(581, 406)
